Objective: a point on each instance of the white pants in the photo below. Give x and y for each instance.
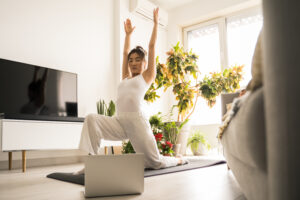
(127, 125)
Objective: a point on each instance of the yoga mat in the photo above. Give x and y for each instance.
(193, 164)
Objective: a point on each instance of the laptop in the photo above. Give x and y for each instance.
(109, 175)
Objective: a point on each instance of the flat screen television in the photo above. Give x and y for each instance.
(37, 93)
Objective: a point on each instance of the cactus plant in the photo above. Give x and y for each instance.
(111, 109)
(102, 108)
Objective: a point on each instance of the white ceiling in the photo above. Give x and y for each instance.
(171, 4)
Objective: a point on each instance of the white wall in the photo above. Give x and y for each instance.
(141, 36)
(69, 35)
(85, 37)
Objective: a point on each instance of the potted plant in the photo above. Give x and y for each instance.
(167, 132)
(127, 147)
(156, 123)
(227, 81)
(171, 132)
(102, 108)
(198, 143)
(156, 126)
(157, 129)
(179, 72)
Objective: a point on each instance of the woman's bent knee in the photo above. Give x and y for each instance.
(90, 117)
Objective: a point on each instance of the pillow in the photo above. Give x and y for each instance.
(256, 68)
(228, 108)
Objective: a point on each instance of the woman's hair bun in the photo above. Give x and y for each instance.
(139, 50)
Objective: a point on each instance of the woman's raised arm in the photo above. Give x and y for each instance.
(128, 30)
(150, 73)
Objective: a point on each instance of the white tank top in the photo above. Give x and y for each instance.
(130, 94)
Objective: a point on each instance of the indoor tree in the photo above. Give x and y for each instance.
(181, 72)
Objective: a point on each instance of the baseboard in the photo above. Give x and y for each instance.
(40, 162)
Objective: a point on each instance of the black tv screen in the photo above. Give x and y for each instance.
(30, 92)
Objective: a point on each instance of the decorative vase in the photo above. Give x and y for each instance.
(183, 137)
(176, 149)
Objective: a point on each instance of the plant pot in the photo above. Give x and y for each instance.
(183, 137)
(176, 149)
(200, 151)
(171, 134)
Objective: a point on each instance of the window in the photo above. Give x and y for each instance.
(222, 43)
(242, 33)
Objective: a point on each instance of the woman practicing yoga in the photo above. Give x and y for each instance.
(130, 122)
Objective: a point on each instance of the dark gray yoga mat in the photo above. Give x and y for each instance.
(193, 164)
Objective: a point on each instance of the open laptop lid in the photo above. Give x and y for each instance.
(107, 175)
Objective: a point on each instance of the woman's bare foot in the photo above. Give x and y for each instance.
(79, 172)
(181, 160)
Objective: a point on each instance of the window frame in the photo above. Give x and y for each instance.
(222, 26)
(220, 22)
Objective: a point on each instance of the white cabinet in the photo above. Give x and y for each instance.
(16, 135)
(39, 135)
(22, 135)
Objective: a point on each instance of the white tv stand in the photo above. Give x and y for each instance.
(22, 135)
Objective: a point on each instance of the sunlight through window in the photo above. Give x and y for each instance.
(238, 39)
(205, 43)
(242, 33)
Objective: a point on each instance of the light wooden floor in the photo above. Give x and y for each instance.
(211, 183)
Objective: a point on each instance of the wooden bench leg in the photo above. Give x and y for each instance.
(105, 150)
(112, 150)
(24, 160)
(10, 160)
(116, 150)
